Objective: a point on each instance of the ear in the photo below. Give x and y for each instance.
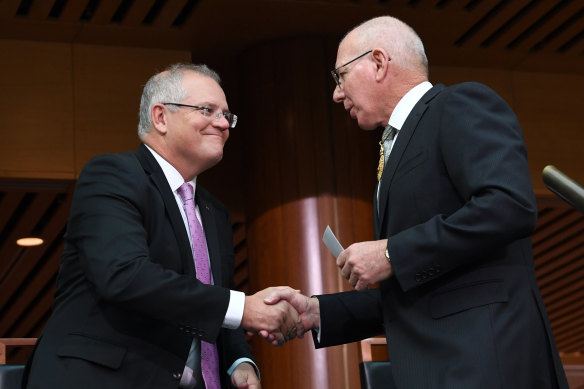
(159, 118)
(381, 61)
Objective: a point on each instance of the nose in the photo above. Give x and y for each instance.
(221, 123)
(338, 94)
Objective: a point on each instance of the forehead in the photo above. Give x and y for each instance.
(202, 88)
(346, 50)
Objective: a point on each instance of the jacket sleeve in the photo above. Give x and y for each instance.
(483, 155)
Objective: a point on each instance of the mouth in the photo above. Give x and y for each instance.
(220, 134)
(352, 112)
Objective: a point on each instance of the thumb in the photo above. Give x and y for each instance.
(272, 299)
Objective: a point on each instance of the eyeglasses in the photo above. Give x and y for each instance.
(214, 114)
(335, 72)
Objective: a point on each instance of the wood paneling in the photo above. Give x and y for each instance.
(548, 107)
(305, 171)
(108, 83)
(70, 91)
(36, 138)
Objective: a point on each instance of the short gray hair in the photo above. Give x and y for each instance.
(167, 86)
(403, 44)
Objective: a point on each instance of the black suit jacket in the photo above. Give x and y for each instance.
(127, 303)
(463, 309)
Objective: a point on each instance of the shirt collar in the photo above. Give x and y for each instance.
(406, 104)
(172, 175)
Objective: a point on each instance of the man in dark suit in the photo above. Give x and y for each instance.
(453, 211)
(130, 310)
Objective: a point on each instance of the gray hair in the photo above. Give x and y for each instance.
(167, 86)
(403, 44)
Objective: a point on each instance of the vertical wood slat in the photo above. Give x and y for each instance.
(524, 22)
(73, 11)
(104, 12)
(137, 12)
(495, 22)
(577, 49)
(169, 13)
(39, 274)
(548, 25)
(562, 37)
(23, 227)
(8, 8)
(39, 10)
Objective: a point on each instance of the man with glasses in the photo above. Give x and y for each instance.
(453, 212)
(144, 294)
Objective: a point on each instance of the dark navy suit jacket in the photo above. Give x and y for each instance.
(463, 309)
(127, 303)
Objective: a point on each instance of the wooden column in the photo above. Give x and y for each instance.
(308, 166)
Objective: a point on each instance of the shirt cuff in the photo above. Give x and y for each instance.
(234, 313)
(241, 360)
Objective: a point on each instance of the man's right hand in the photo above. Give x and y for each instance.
(307, 307)
(279, 318)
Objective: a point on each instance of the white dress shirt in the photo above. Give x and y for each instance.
(236, 305)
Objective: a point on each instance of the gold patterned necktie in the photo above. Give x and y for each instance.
(388, 134)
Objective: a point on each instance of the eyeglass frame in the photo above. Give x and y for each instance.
(335, 71)
(207, 110)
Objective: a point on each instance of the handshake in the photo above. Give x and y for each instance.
(280, 314)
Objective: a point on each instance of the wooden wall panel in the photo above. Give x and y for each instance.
(308, 166)
(108, 84)
(36, 136)
(548, 106)
(68, 103)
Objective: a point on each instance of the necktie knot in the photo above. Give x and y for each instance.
(185, 191)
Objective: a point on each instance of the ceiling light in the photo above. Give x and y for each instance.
(29, 241)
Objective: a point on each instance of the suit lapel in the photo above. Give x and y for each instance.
(405, 134)
(159, 180)
(207, 216)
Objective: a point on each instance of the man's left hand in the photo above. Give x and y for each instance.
(365, 263)
(244, 376)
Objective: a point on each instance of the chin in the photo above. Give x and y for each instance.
(367, 126)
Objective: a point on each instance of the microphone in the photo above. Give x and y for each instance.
(563, 186)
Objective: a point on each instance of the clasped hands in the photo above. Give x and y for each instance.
(280, 314)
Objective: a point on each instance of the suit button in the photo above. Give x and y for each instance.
(176, 376)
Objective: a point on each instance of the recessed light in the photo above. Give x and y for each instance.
(29, 242)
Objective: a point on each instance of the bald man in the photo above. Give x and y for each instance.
(453, 212)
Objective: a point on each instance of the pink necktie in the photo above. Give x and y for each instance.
(209, 354)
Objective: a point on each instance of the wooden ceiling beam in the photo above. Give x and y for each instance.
(105, 11)
(40, 10)
(23, 267)
(8, 8)
(36, 317)
(495, 22)
(571, 226)
(23, 227)
(557, 16)
(29, 297)
(169, 12)
(73, 11)
(574, 263)
(525, 22)
(137, 13)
